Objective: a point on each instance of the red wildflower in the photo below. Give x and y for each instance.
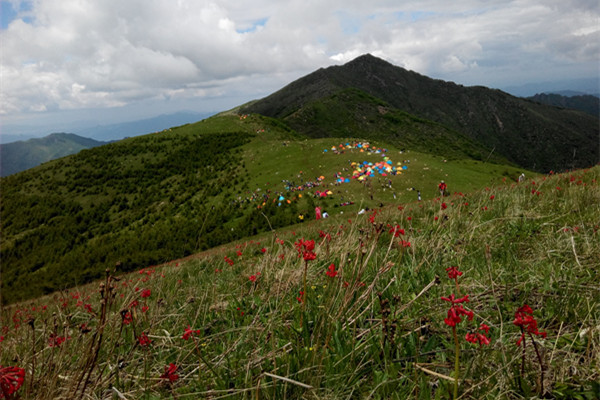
(492, 197)
(127, 317)
(189, 332)
(55, 341)
(454, 314)
(170, 373)
(88, 308)
(144, 340)
(238, 253)
(453, 272)
(301, 297)
(145, 308)
(252, 278)
(11, 379)
(264, 250)
(524, 319)
(396, 231)
(451, 299)
(444, 206)
(146, 293)
(331, 272)
(305, 249)
(477, 338)
(405, 243)
(229, 260)
(134, 304)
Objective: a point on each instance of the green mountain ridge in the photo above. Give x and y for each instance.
(529, 134)
(19, 156)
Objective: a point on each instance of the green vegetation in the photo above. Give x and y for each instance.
(228, 323)
(150, 199)
(533, 135)
(22, 155)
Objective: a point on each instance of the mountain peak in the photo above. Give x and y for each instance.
(529, 134)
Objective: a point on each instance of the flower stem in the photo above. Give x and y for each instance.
(537, 352)
(456, 361)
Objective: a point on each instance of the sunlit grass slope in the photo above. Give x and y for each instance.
(360, 315)
(150, 199)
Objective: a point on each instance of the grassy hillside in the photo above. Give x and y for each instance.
(529, 134)
(150, 199)
(361, 315)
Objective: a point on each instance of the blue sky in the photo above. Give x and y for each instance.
(67, 62)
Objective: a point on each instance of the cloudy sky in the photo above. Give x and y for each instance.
(69, 61)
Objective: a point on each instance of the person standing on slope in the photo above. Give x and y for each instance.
(442, 187)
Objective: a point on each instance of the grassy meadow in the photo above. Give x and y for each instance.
(356, 314)
(158, 197)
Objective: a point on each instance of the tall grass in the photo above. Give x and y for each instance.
(375, 330)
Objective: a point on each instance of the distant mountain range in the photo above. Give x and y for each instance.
(19, 156)
(25, 152)
(141, 127)
(527, 133)
(109, 132)
(583, 102)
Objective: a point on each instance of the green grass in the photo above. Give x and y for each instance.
(532, 243)
(149, 199)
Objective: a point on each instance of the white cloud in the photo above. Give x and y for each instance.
(73, 54)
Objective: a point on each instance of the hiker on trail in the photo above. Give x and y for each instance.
(419, 195)
(318, 212)
(442, 186)
(521, 177)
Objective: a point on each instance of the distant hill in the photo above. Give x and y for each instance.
(140, 127)
(587, 103)
(525, 132)
(19, 156)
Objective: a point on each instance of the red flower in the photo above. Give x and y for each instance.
(444, 206)
(454, 314)
(492, 197)
(189, 332)
(170, 373)
(305, 249)
(144, 340)
(484, 327)
(145, 308)
(477, 338)
(331, 272)
(263, 250)
(405, 243)
(88, 307)
(396, 231)
(453, 272)
(451, 299)
(300, 298)
(55, 341)
(524, 319)
(146, 293)
(11, 379)
(127, 318)
(229, 260)
(252, 278)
